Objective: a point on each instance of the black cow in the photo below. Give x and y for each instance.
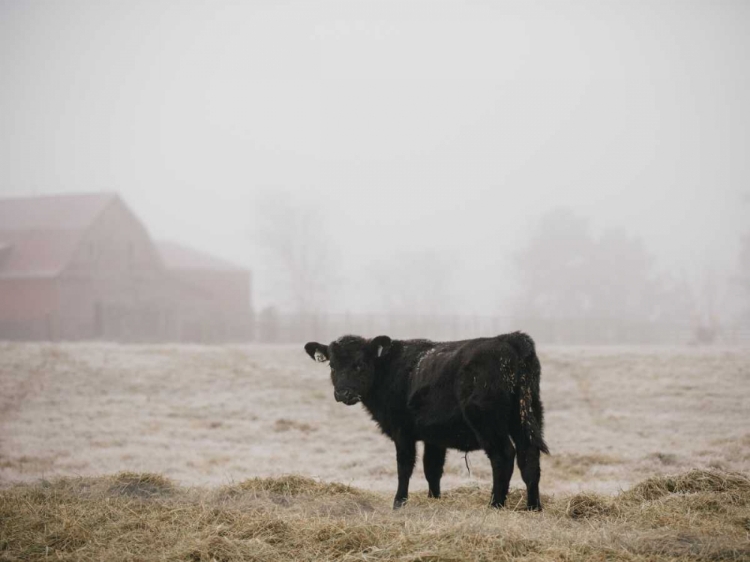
(465, 395)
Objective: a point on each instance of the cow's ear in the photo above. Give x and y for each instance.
(380, 345)
(317, 351)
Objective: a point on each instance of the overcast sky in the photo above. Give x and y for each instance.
(412, 125)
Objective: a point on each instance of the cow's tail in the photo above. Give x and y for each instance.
(530, 403)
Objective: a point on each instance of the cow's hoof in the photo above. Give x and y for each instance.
(497, 505)
(398, 503)
(433, 496)
(534, 507)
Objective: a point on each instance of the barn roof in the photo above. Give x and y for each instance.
(75, 211)
(40, 234)
(177, 256)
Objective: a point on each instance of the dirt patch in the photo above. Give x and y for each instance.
(141, 485)
(284, 424)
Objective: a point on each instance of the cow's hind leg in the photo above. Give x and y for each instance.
(501, 455)
(433, 460)
(493, 437)
(528, 464)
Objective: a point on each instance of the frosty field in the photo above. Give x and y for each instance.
(219, 415)
(161, 453)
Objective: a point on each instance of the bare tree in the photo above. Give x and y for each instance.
(607, 280)
(554, 267)
(299, 253)
(415, 282)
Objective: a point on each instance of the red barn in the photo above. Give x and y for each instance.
(84, 267)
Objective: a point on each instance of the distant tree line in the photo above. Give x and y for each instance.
(575, 286)
(567, 272)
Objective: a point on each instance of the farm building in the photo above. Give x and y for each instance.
(76, 267)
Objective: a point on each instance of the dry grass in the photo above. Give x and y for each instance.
(697, 515)
(584, 506)
(691, 482)
(292, 485)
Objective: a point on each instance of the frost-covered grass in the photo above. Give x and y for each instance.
(217, 415)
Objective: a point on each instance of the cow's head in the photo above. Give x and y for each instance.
(352, 361)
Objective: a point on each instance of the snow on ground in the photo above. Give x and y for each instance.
(216, 415)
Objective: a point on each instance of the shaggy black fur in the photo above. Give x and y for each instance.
(466, 395)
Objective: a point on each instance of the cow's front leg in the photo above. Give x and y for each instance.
(406, 455)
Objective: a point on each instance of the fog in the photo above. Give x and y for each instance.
(405, 156)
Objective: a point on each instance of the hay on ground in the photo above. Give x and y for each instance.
(698, 515)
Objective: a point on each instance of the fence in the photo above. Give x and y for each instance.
(286, 328)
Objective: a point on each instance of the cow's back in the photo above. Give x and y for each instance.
(449, 372)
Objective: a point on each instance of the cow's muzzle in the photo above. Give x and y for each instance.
(346, 396)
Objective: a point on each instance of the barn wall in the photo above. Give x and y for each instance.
(120, 308)
(146, 308)
(115, 287)
(29, 309)
(117, 243)
(227, 301)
